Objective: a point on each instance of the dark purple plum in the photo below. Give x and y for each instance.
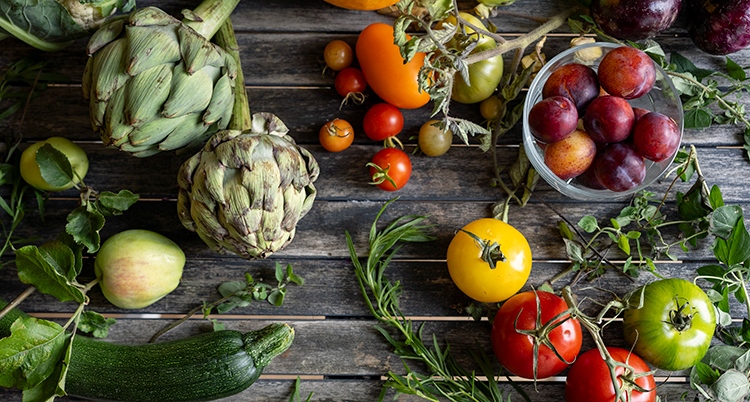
(619, 167)
(575, 81)
(640, 112)
(656, 136)
(635, 19)
(627, 72)
(589, 179)
(719, 26)
(609, 119)
(552, 119)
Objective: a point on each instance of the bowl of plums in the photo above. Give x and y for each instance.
(602, 121)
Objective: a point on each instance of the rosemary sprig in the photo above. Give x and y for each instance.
(446, 378)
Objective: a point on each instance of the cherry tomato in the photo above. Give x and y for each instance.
(491, 108)
(381, 62)
(674, 328)
(383, 122)
(336, 135)
(433, 140)
(475, 276)
(350, 83)
(362, 4)
(589, 379)
(515, 351)
(390, 169)
(338, 55)
(31, 173)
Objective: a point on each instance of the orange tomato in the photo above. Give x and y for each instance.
(384, 69)
(336, 135)
(362, 4)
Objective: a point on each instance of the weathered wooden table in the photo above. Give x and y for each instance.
(337, 352)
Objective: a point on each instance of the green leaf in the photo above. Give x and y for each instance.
(624, 244)
(280, 272)
(29, 355)
(47, 267)
(735, 71)
(77, 249)
(95, 324)
(115, 204)
(706, 374)
(731, 386)
(54, 166)
(588, 224)
(736, 249)
(715, 197)
(683, 65)
(228, 288)
(695, 203)
(84, 225)
(697, 119)
(277, 297)
(724, 219)
(574, 251)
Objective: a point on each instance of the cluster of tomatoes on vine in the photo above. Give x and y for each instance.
(390, 168)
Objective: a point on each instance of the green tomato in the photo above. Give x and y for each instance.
(432, 140)
(674, 327)
(484, 76)
(30, 169)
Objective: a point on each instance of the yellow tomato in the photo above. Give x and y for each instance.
(362, 4)
(474, 275)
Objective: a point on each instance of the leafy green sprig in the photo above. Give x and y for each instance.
(53, 268)
(446, 378)
(242, 294)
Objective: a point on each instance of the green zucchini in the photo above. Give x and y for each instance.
(199, 368)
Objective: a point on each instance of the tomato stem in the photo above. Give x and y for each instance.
(677, 317)
(381, 175)
(491, 252)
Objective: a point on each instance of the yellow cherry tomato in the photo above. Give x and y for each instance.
(496, 241)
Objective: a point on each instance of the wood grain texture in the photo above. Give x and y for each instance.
(337, 350)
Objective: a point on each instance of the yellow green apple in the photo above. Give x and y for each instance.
(138, 267)
(30, 169)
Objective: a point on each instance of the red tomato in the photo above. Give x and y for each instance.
(589, 380)
(381, 62)
(350, 81)
(383, 122)
(515, 351)
(393, 164)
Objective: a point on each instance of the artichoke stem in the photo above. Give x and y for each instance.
(241, 117)
(213, 13)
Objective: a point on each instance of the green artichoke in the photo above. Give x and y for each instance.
(155, 83)
(246, 190)
(52, 25)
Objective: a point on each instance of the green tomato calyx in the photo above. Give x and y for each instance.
(491, 252)
(681, 319)
(381, 175)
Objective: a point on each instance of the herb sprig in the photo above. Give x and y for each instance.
(446, 378)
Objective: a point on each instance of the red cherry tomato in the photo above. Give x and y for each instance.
(515, 351)
(390, 169)
(383, 122)
(589, 380)
(350, 80)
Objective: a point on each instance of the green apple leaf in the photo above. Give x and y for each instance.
(50, 268)
(31, 353)
(54, 166)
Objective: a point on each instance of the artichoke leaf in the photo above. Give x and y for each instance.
(107, 70)
(150, 46)
(240, 219)
(197, 51)
(267, 123)
(189, 93)
(187, 132)
(87, 78)
(151, 16)
(108, 32)
(183, 210)
(146, 93)
(221, 101)
(116, 130)
(155, 131)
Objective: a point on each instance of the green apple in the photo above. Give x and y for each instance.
(138, 267)
(30, 169)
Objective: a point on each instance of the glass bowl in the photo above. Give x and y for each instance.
(662, 98)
